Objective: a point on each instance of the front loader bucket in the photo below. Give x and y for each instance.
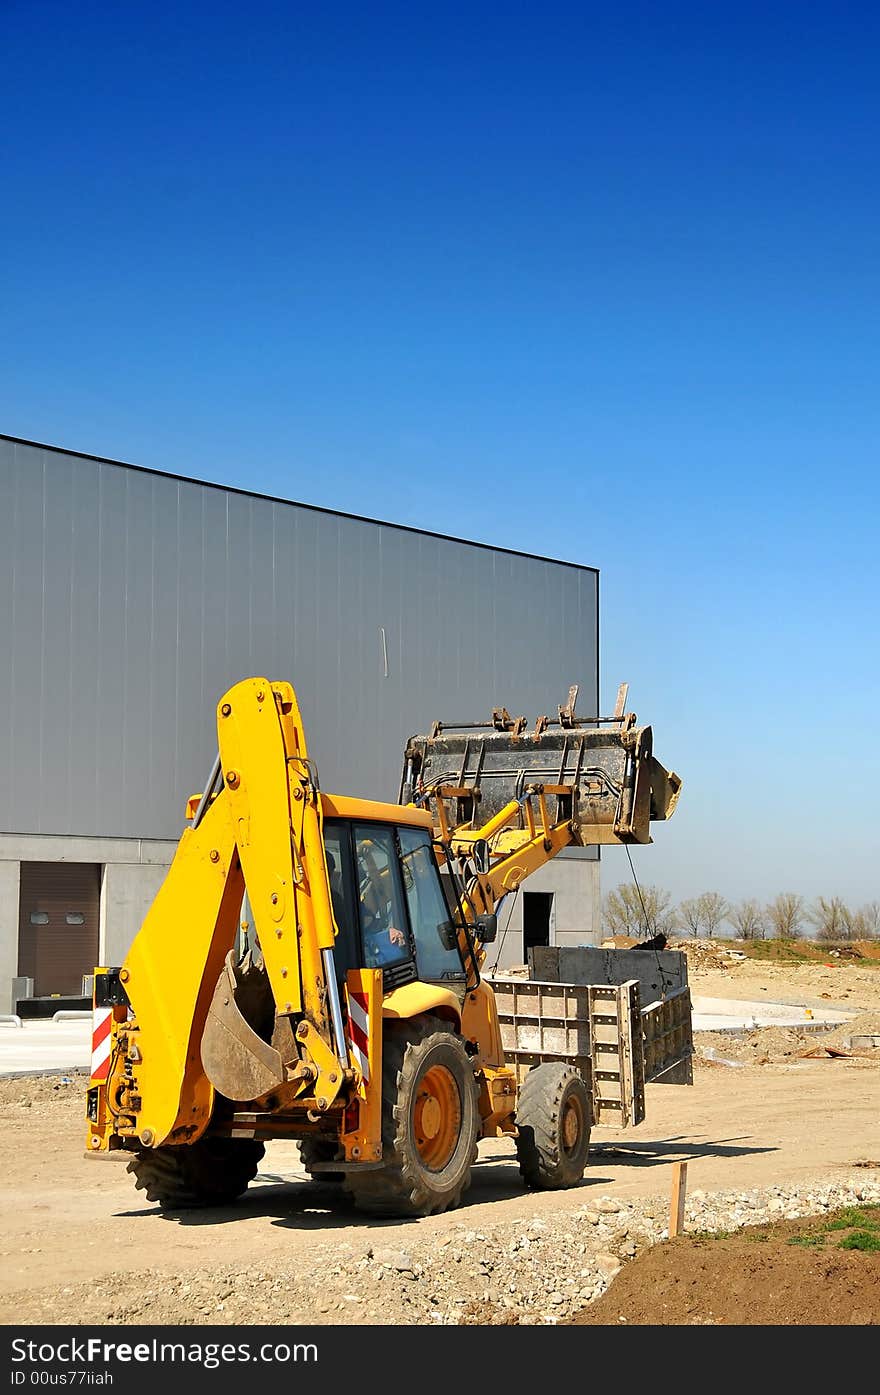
(598, 774)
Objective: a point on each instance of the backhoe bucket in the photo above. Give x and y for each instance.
(598, 774)
(238, 1062)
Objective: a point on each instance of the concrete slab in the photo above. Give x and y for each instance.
(731, 1015)
(45, 1046)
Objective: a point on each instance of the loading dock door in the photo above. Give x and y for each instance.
(58, 925)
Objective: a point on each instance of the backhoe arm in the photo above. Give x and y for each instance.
(260, 832)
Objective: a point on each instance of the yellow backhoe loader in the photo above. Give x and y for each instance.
(356, 1018)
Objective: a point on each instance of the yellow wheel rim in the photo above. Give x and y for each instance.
(437, 1118)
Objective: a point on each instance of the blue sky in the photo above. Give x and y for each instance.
(595, 282)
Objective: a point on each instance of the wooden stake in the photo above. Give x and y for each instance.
(676, 1203)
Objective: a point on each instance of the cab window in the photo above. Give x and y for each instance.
(337, 849)
(427, 906)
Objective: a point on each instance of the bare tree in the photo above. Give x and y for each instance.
(702, 913)
(747, 919)
(785, 915)
(690, 916)
(623, 913)
(831, 917)
(713, 911)
(866, 921)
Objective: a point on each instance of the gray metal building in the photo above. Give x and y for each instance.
(130, 600)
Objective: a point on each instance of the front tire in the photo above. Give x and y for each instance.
(553, 1118)
(430, 1123)
(210, 1172)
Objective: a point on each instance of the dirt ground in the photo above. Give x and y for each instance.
(787, 1274)
(764, 1126)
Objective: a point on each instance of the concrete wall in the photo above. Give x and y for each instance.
(145, 852)
(575, 917)
(127, 893)
(659, 972)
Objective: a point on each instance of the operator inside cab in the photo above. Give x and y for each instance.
(377, 910)
(384, 939)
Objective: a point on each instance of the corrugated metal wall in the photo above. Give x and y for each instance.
(129, 602)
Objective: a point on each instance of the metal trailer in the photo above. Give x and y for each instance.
(601, 1030)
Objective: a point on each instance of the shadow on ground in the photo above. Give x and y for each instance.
(318, 1205)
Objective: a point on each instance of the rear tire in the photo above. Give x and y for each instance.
(553, 1121)
(430, 1123)
(210, 1172)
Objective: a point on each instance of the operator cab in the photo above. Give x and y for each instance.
(388, 901)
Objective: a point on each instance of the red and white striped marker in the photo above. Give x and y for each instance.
(101, 1022)
(359, 1031)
